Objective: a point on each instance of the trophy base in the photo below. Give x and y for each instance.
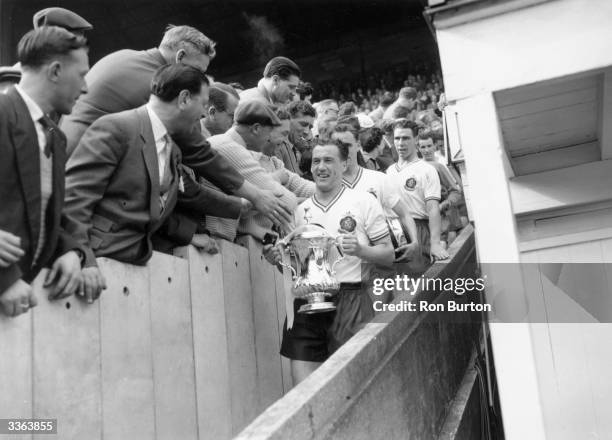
(317, 307)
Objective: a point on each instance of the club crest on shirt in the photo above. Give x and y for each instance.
(348, 222)
(410, 184)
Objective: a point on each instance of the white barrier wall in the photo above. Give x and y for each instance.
(184, 348)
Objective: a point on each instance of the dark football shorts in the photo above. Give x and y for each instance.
(314, 337)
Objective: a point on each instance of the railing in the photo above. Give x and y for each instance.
(396, 379)
(183, 348)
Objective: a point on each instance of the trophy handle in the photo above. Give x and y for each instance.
(293, 271)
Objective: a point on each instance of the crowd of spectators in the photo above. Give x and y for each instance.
(145, 152)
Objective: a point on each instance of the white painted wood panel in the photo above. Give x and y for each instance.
(509, 50)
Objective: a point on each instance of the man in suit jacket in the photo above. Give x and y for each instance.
(32, 149)
(123, 178)
(121, 81)
(278, 86)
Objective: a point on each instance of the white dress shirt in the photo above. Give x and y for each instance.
(162, 141)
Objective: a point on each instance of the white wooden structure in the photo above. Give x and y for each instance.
(184, 348)
(530, 83)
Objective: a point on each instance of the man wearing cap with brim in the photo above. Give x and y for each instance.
(60, 17)
(278, 86)
(63, 18)
(254, 121)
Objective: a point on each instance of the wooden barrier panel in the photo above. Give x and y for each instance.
(183, 348)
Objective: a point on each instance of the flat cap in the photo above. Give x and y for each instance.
(255, 111)
(61, 17)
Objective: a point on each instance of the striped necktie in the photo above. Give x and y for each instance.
(48, 128)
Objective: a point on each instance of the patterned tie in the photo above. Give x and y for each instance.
(48, 128)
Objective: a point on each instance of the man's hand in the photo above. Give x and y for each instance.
(281, 176)
(270, 205)
(205, 243)
(246, 208)
(65, 275)
(350, 244)
(272, 254)
(406, 251)
(92, 285)
(17, 299)
(10, 249)
(437, 252)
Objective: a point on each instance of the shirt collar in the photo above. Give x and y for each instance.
(233, 135)
(159, 129)
(35, 111)
(264, 91)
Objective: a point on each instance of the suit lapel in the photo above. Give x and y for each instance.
(149, 153)
(27, 153)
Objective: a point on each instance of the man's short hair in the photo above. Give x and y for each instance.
(426, 134)
(301, 107)
(400, 112)
(226, 88)
(42, 45)
(282, 113)
(347, 128)
(188, 38)
(371, 139)
(387, 99)
(169, 80)
(407, 123)
(304, 89)
(283, 67)
(218, 98)
(343, 148)
(408, 93)
(347, 109)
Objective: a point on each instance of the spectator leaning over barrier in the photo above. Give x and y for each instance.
(54, 63)
(308, 340)
(302, 188)
(281, 77)
(221, 106)
(254, 121)
(302, 116)
(123, 178)
(420, 187)
(407, 98)
(121, 81)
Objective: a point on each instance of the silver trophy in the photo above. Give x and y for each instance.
(314, 281)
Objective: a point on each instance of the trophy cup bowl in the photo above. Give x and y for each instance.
(313, 277)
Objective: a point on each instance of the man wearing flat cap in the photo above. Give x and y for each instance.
(63, 18)
(254, 121)
(278, 85)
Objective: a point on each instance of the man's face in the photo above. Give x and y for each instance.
(427, 149)
(283, 90)
(327, 167)
(70, 80)
(348, 138)
(193, 58)
(301, 126)
(194, 107)
(223, 120)
(277, 136)
(404, 142)
(261, 136)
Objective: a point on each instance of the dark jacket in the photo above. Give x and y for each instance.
(20, 190)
